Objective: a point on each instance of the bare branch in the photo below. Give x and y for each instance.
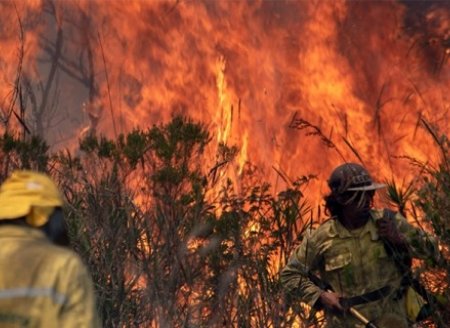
(108, 86)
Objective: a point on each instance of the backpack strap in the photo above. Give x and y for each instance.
(400, 255)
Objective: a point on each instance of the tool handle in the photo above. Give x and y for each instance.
(361, 318)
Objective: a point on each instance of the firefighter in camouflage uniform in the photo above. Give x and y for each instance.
(349, 253)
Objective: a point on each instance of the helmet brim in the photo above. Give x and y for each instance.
(372, 186)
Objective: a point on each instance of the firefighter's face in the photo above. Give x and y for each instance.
(359, 201)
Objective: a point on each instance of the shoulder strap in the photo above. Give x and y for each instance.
(402, 258)
(389, 214)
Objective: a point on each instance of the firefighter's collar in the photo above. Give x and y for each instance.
(14, 231)
(343, 232)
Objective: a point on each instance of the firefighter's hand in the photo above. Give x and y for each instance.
(388, 231)
(330, 302)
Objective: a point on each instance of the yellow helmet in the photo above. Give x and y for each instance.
(29, 194)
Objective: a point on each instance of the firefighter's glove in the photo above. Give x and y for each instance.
(330, 301)
(388, 231)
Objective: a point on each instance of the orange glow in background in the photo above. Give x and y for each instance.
(365, 74)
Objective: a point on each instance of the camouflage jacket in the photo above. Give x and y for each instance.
(354, 263)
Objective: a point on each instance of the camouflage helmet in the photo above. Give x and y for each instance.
(351, 177)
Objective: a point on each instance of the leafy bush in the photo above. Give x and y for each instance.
(181, 257)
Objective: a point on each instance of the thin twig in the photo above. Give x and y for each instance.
(15, 92)
(301, 124)
(437, 140)
(108, 86)
(353, 149)
(283, 176)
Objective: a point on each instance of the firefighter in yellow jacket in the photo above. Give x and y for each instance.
(349, 253)
(42, 284)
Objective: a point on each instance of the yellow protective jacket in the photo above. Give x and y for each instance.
(41, 284)
(355, 263)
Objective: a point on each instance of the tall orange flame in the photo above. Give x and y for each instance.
(363, 74)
